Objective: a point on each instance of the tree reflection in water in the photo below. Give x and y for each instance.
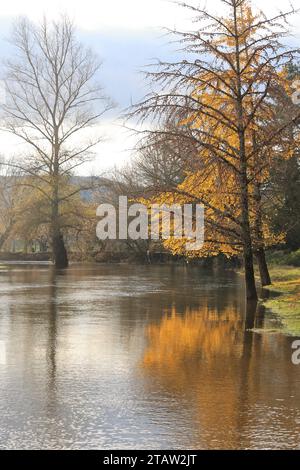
(222, 370)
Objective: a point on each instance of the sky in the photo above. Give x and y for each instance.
(127, 35)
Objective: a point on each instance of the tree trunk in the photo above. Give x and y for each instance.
(260, 242)
(251, 292)
(60, 256)
(59, 252)
(263, 268)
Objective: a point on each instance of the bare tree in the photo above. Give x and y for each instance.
(163, 159)
(53, 101)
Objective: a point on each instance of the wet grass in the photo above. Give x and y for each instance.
(284, 301)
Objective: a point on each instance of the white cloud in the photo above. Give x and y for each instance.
(117, 14)
(115, 149)
(97, 14)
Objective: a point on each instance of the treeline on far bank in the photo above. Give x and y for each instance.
(24, 237)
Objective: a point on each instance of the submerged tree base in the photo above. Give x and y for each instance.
(60, 256)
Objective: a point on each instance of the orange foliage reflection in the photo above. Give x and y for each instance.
(205, 332)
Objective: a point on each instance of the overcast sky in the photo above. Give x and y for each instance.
(126, 34)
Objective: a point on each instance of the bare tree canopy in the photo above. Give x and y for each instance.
(53, 102)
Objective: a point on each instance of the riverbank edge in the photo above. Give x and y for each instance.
(284, 300)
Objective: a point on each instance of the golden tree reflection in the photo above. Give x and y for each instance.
(206, 333)
(199, 355)
(211, 370)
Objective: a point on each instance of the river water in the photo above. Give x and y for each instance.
(153, 357)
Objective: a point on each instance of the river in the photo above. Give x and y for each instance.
(131, 357)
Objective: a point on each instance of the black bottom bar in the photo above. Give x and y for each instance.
(136, 458)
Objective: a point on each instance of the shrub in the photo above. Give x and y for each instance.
(284, 258)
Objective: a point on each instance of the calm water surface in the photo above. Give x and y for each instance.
(140, 357)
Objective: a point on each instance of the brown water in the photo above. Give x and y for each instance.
(140, 357)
